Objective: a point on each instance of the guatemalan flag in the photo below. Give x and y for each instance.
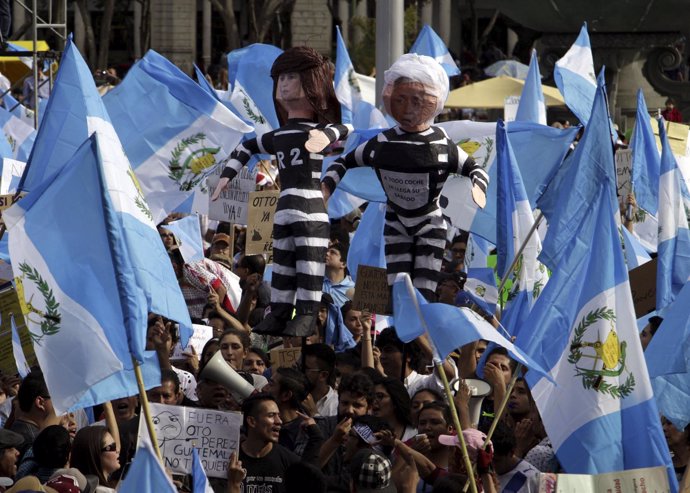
(515, 222)
(673, 268)
(430, 44)
(347, 88)
(645, 160)
(19, 135)
(635, 254)
(128, 241)
(575, 78)
(600, 415)
(532, 107)
(146, 474)
(538, 150)
(174, 133)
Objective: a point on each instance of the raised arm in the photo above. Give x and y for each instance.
(240, 157)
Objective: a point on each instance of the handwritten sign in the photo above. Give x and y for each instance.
(371, 290)
(232, 205)
(651, 479)
(5, 202)
(510, 107)
(284, 357)
(262, 208)
(643, 287)
(180, 429)
(201, 335)
(9, 305)
(623, 172)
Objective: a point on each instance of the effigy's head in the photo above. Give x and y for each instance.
(415, 89)
(303, 80)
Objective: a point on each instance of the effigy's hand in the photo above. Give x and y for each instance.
(317, 141)
(479, 196)
(222, 185)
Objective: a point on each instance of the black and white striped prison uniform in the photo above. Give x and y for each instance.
(412, 168)
(300, 225)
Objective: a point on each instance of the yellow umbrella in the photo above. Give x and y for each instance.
(491, 93)
(14, 68)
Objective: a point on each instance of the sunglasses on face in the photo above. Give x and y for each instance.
(110, 448)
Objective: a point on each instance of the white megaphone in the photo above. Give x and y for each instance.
(478, 390)
(218, 370)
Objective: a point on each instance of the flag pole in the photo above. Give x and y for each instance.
(534, 227)
(438, 364)
(147, 410)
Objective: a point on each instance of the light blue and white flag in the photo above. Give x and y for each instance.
(430, 44)
(481, 285)
(252, 91)
(582, 328)
(335, 333)
(367, 245)
(532, 107)
(668, 360)
(200, 482)
(564, 210)
(23, 367)
(538, 150)
(174, 133)
(645, 160)
(79, 340)
(19, 135)
(347, 88)
(635, 254)
(514, 225)
(19, 110)
(673, 268)
(477, 252)
(188, 233)
(146, 474)
(575, 78)
(77, 111)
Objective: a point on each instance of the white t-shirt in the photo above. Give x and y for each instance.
(523, 478)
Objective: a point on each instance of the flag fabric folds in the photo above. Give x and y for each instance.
(174, 133)
(19, 135)
(574, 76)
(635, 254)
(532, 107)
(645, 160)
(188, 233)
(673, 268)
(347, 88)
(600, 414)
(146, 474)
(78, 315)
(367, 245)
(430, 44)
(200, 482)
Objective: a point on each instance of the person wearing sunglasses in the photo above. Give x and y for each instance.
(95, 452)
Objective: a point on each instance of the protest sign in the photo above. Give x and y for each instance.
(12, 171)
(651, 479)
(232, 205)
(5, 202)
(510, 107)
(284, 357)
(371, 290)
(623, 172)
(201, 335)
(9, 305)
(262, 208)
(180, 429)
(643, 287)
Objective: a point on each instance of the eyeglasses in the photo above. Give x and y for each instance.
(110, 448)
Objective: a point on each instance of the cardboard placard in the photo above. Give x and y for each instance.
(12, 171)
(180, 429)
(6, 201)
(284, 357)
(262, 208)
(371, 290)
(677, 135)
(648, 479)
(232, 205)
(623, 172)
(9, 305)
(643, 287)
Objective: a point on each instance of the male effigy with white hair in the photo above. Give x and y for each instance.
(413, 161)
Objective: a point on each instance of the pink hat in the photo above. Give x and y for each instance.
(474, 439)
